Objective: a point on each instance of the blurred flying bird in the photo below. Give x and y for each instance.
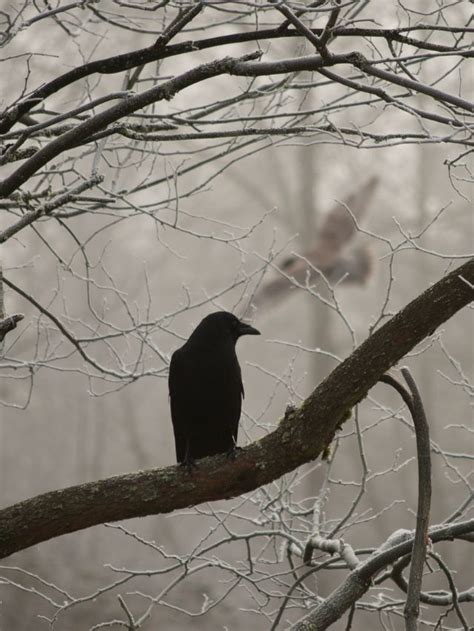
(206, 391)
(333, 253)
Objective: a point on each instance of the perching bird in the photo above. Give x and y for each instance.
(205, 386)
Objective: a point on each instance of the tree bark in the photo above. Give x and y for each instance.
(300, 437)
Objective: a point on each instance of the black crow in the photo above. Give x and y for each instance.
(205, 385)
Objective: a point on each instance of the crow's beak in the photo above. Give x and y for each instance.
(246, 329)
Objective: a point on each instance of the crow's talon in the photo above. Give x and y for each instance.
(233, 451)
(189, 465)
(289, 410)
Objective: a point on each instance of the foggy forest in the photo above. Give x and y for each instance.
(306, 166)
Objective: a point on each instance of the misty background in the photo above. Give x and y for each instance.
(63, 422)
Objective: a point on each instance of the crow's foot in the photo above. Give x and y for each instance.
(188, 464)
(232, 452)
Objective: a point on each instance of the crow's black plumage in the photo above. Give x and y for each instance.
(206, 390)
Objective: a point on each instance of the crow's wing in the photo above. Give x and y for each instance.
(239, 387)
(177, 382)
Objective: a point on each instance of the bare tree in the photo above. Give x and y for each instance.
(141, 144)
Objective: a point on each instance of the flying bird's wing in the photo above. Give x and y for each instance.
(328, 254)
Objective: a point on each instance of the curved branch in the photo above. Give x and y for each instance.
(415, 405)
(300, 437)
(412, 607)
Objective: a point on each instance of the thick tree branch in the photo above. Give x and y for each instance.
(8, 324)
(242, 66)
(300, 437)
(126, 61)
(128, 105)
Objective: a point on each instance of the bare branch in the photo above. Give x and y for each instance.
(47, 208)
(70, 138)
(119, 63)
(358, 581)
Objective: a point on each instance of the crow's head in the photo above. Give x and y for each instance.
(224, 325)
